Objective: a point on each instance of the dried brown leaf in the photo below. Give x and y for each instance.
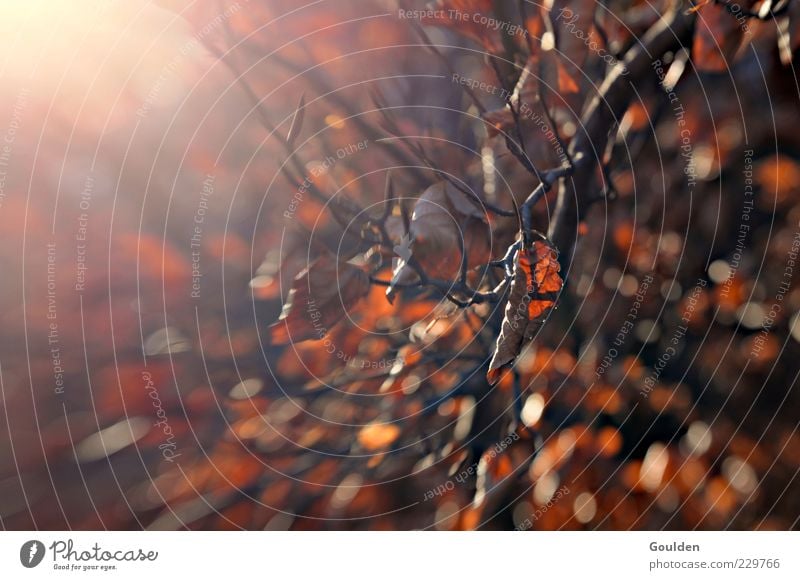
(321, 296)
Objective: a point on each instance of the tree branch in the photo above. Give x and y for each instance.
(575, 194)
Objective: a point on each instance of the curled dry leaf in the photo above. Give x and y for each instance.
(533, 294)
(442, 215)
(320, 297)
(574, 30)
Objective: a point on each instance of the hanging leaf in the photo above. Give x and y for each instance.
(321, 296)
(717, 39)
(534, 290)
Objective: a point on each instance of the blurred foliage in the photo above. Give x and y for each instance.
(184, 404)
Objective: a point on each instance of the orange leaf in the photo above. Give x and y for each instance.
(376, 436)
